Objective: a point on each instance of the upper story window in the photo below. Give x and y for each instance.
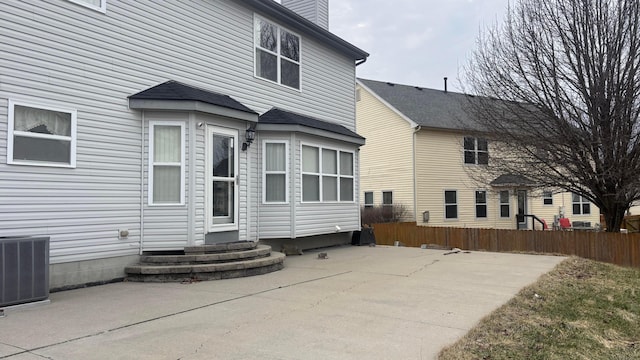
(99, 5)
(327, 174)
(39, 135)
(277, 54)
(547, 198)
(276, 174)
(166, 163)
(581, 206)
(476, 151)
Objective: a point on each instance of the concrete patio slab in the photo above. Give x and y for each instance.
(362, 302)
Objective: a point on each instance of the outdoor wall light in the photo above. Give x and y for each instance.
(249, 136)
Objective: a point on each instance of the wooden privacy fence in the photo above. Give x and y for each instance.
(615, 248)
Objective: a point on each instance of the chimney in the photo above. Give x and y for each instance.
(445, 84)
(316, 11)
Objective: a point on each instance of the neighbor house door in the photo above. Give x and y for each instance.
(522, 208)
(222, 179)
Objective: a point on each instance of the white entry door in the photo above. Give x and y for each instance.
(222, 179)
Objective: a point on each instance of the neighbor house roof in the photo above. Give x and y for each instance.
(173, 95)
(425, 107)
(278, 119)
(299, 23)
(511, 180)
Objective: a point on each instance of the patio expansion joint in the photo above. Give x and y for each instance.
(30, 351)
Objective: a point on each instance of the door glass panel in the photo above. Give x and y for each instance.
(223, 202)
(223, 156)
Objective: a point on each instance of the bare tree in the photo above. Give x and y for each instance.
(567, 73)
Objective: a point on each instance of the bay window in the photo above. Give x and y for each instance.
(166, 163)
(327, 175)
(275, 189)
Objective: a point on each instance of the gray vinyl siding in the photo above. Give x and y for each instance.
(314, 10)
(61, 54)
(166, 226)
(275, 219)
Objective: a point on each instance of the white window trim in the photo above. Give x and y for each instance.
(265, 172)
(321, 174)
(501, 204)
(457, 204)
(475, 150)
(11, 132)
(544, 198)
(486, 204)
(102, 8)
(151, 164)
(211, 227)
(277, 53)
(373, 199)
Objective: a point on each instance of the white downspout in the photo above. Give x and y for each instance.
(415, 182)
(142, 121)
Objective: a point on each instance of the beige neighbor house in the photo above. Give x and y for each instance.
(417, 155)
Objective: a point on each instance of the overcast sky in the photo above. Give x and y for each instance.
(413, 42)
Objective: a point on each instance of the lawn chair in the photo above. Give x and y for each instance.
(565, 224)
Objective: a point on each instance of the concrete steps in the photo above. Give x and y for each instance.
(207, 262)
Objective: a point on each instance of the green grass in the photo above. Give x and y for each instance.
(582, 309)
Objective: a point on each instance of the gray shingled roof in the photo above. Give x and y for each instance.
(173, 90)
(426, 107)
(282, 117)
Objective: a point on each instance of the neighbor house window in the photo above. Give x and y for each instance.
(327, 174)
(547, 198)
(39, 135)
(476, 151)
(505, 210)
(368, 199)
(277, 56)
(581, 206)
(166, 163)
(450, 204)
(99, 5)
(275, 172)
(481, 204)
(387, 198)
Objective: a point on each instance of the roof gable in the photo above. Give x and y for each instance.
(426, 107)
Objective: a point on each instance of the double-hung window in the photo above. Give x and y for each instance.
(277, 54)
(481, 204)
(450, 204)
(387, 198)
(476, 151)
(581, 206)
(505, 210)
(166, 163)
(327, 175)
(547, 197)
(39, 135)
(276, 177)
(368, 199)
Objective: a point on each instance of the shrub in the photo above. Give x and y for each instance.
(382, 214)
